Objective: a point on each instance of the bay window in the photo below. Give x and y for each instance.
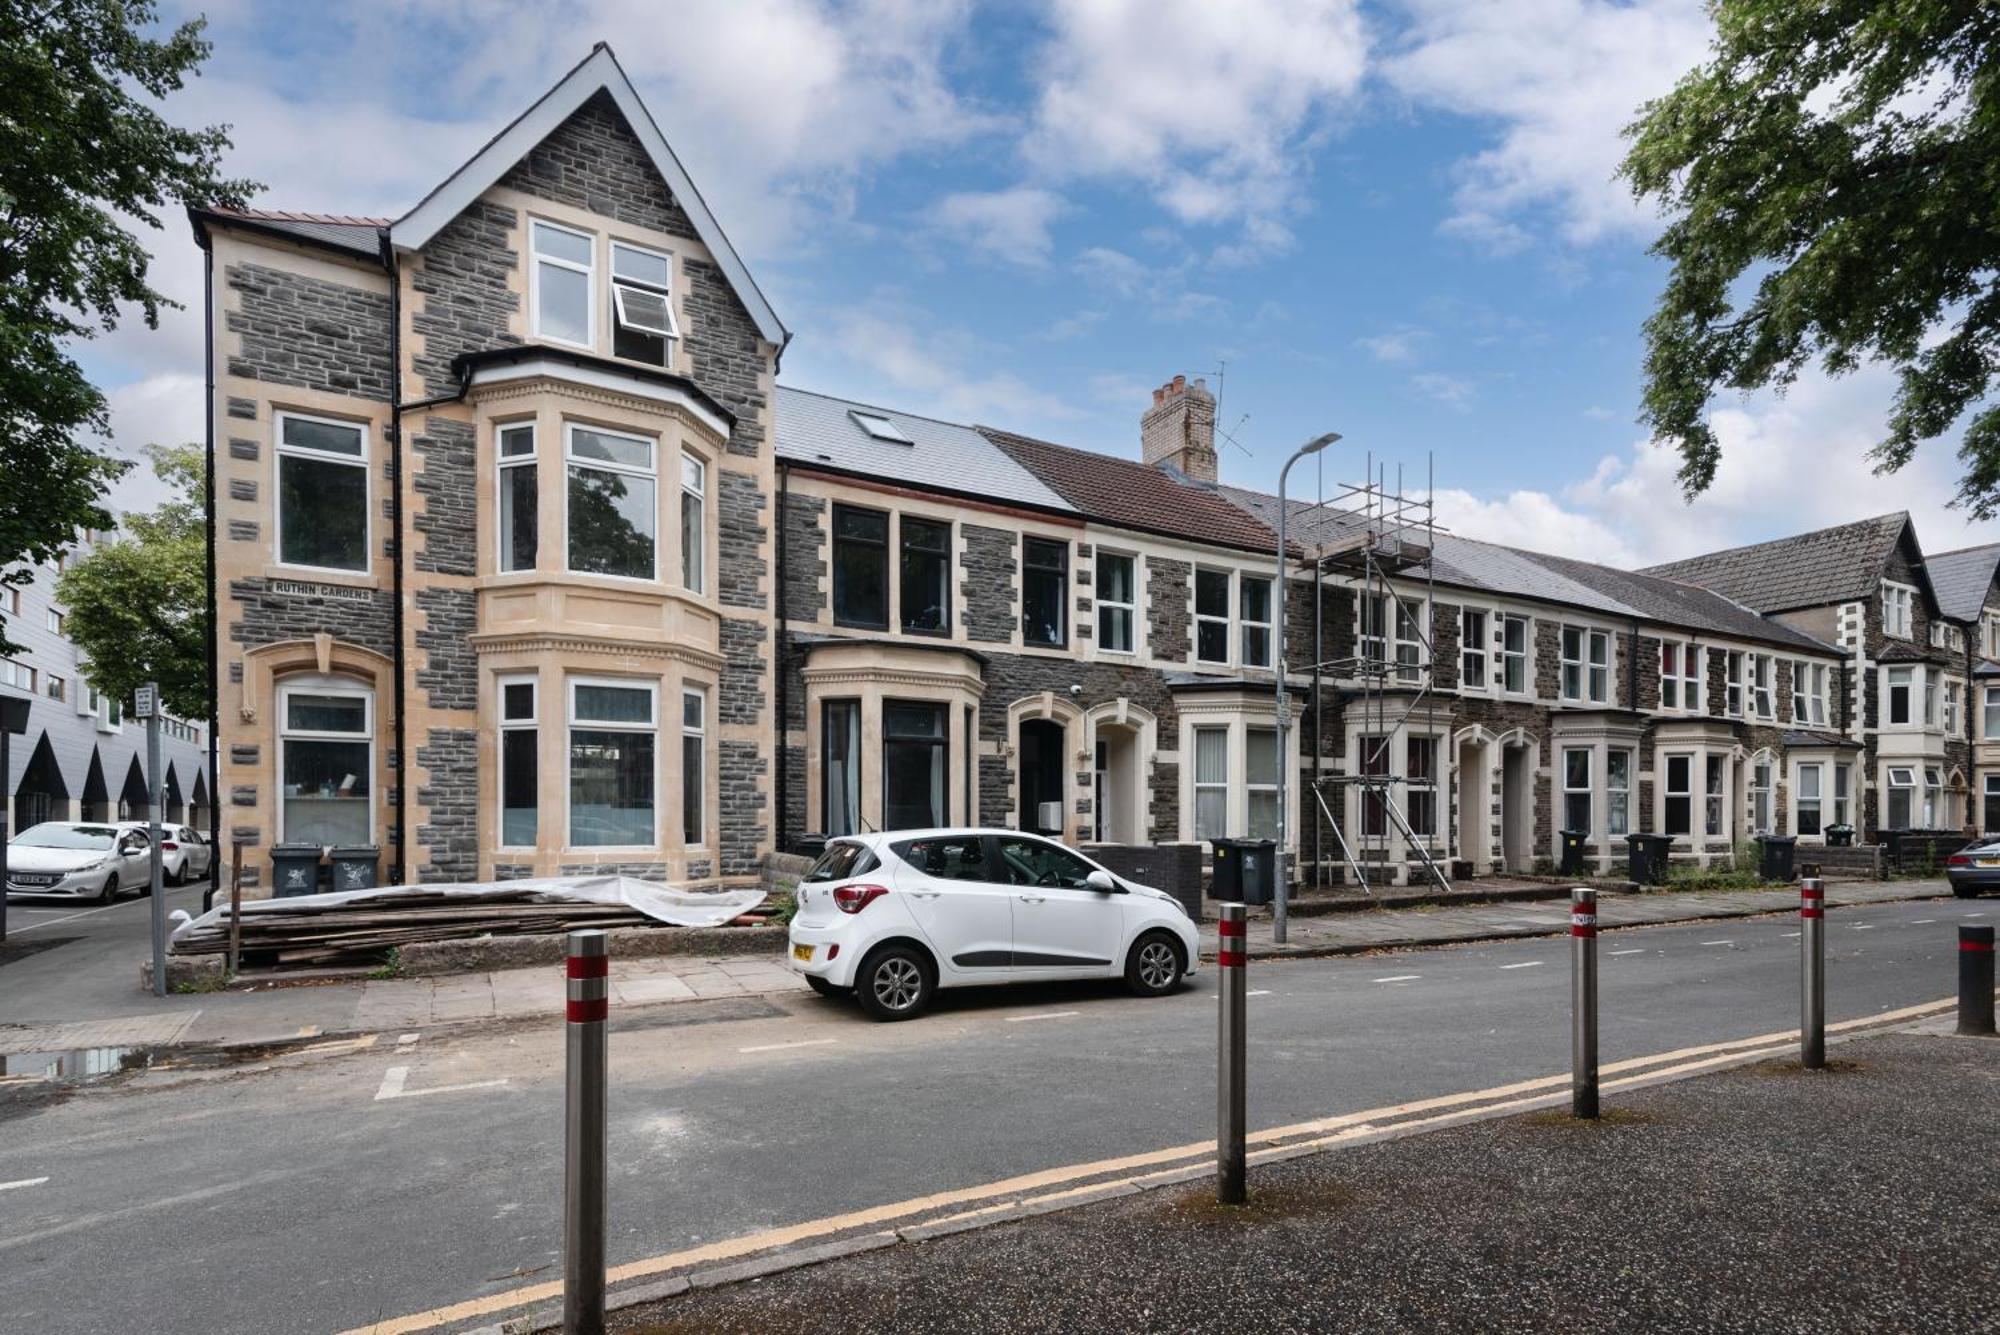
(520, 763)
(694, 529)
(1901, 699)
(322, 510)
(1211, 783)
(1115, 602)
(1990, 714)
(1044, 592)
(1472, 649)
(1990, 816)
(1253, 601)
(613, 742)
(1933, 794)
(694, 766)
(1576, 789)
(913, 765)
(1618, 793)
(613, 503)
(564, 296)
(1514, 655)
(925, 563)
(1902, 804)
(1679, 794)
(1842, 779)
(860, 568)
(641, 305)
(1712, 772)
(326, 762)
(1374, 759)
(1211, 616)
(1808, 798)
(840, 772)
(1420, 770)
(1761, 806)
(519, 498)
(1260, 779)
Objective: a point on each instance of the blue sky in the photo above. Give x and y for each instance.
(1394, 220)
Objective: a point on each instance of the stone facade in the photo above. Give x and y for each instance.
(294, 329)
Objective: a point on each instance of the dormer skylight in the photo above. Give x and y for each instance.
(880, 427)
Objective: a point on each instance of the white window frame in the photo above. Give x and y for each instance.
(699, 732)
(1990, 623)
(1685, 679)
(1588, 792)
(697, 493)
(1129, 606)
(1809, 692)
(1898, 619)
(1196, 785)
(1244, 625)
(651, 473)
(1473, 649)
(1618, 797)
(340, 687)
(1953, 700)
(504, 725)
(502, 464)
(1760, 687)
(1252, 788)
(570, 724)
(1525, 655)
(1593, 672)
(1412, 613)
(670, 334)
(1688, 794)
(1912, 687)
(1990, 717)
(1764, 795)
(280, 451)
(1227, 619)
(1734, 695)
(536, 259)
(1907, 784)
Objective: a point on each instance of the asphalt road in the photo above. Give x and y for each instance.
(320, 1195)
(92, 972)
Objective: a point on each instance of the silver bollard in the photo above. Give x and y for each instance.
(1975, 981)
(1812, 973)
(1583, 1003)
(1229, 1072)
(584, 1135)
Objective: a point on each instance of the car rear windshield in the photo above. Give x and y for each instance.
(68, 836)
(841, 861)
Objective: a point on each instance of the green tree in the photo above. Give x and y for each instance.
(138, 603)
(1832, 179)
(84, 158)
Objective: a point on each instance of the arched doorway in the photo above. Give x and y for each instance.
(1041, 775)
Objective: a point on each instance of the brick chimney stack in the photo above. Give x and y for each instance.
(1178, 431)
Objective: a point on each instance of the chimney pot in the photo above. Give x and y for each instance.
(1178, 430)
(1180, 383)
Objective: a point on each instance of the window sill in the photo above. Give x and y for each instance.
(879, 627)
(331, 574)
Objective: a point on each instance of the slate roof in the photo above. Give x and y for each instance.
(1961, 579)
(1467, 563)
(1832, 565)
(358, 236)
(1137, 496)
(819, 429)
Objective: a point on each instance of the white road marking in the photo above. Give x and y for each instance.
(1922, 922)
(395, 1077)
(1260, 992)
(24, 1182)
(1637, 950)
(404, 1040)
(1045, 1015)
(1980, 914)
(780, 1047)
(1400, 978)
(1531, 964)
(1791, 933)
(1718, 943)
(1864, 926)
(50, 922)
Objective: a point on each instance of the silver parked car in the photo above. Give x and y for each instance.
(184, 852)
(77, 860)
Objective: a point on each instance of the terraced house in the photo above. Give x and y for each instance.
(527, 566)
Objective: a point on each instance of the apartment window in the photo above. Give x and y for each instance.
(1954, 697)
(565, 282)
(913, 765)
(1514, 655)
(518, 492)
(1679, 793)
(1896, 599)
(1472, 649)
(694, 531)
(326, 758)
(613, 505)
(1733, 702)
(1260, 779)
(1680, 676)
(1211, 616)
(1115, 605)
(926, 575)
(1372, 643)
(1044, 592)
(55, 620)
(840, 766)
(860, 568)
(1211, 783)
(1809, 691)
(1576, 789)
(1902, 684)
(1409, 641)
(1253, 601)
(1374, 804)
(1760, 797)
(642, 305)
(1420, 770)
(520, 763)
(1586, 665)
(1808, 797)
(1712, 773)
(322, 493)
(1618, 792)
(694, 767)
(1757, 669)
(11, 596)
(18, 675)
(613, 769)
(1990, 715)
(56, 688)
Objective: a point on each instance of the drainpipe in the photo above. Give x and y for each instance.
(399, 873)
(781, 665)
(214, 631)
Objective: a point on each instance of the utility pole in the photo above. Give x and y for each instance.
(13, 719)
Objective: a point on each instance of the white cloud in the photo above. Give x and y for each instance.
(1560, 79)
(1452, 391)
(1394, 345)
(1008, 224)
(1208, 106)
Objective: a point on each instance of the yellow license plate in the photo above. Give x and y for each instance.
(802, 953)
(1986, 862)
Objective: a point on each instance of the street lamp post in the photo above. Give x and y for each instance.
(1284, 700)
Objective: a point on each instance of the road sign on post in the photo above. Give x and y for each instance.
(13, 719)
(146, 704)
(146, 701)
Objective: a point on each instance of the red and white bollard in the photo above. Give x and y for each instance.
(1583, 1003)
(1812, 973)
(1230, 1066)
(584, 1148)
(1975, 981)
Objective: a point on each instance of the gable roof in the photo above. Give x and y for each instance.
(1962, 579)
(819, 430)
(1137, 496)
(599, 72)
(1467, 563)
(353, 236)
(1831, 565)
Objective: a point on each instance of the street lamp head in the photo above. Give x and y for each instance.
(1318, 443)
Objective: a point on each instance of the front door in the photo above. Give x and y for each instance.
(965, 914)
(1514, 808)
(1060, 923)
(1041, 763)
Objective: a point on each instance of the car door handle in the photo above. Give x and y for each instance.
(1033, 899)
(925, 894)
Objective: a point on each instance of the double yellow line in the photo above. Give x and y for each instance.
(1051, 1187)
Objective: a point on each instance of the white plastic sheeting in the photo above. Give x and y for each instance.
(680, 908)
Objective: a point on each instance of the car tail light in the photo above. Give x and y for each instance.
(854, 898)
(169, 845)
(1958, 860)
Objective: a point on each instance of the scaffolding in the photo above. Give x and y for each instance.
(1378, 538)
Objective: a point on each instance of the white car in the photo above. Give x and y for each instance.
(184, 852)
(78, 859)
(893, 917)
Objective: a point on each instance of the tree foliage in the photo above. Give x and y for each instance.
(84, 158)
(1832, 176)
(138, 603)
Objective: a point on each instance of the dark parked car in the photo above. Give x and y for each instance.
(1974, 868)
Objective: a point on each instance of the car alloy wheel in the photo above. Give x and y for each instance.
(898, 982)
(1157, 965)
(110, 890)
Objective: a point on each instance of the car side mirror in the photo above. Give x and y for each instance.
(1099, 879)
